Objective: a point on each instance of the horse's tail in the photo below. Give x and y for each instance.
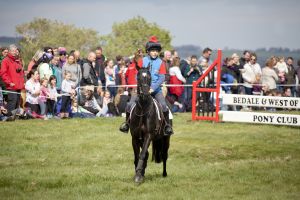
(157, 150)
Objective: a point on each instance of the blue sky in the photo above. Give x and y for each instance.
(215, 23)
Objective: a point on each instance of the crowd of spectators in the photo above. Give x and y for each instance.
(59, 84)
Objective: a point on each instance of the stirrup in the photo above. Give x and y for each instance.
(124, 127)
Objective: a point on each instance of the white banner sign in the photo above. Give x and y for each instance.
(262, 118)
(262, 101)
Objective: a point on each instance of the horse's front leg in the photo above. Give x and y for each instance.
(139, 176)
(136, 149)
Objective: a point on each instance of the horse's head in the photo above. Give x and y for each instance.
(143, 81)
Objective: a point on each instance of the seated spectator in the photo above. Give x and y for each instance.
(107, 106)
(121, 100)
(175, 104)
(91, 103)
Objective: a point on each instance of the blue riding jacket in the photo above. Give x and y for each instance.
(156, 78)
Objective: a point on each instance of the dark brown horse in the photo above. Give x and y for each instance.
(146, 126)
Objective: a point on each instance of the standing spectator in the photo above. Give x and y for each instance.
(44, 95)
(32, 87)
(269, 76)
(110, 77)
(74, 68)
(238, 67)
(89, 76)
(176, 78)
(192, 73)
(291, 75)
(205, 58)
(282, 70)
(229, 76)
(99, 66)
(167, 59)
(117, 67)
(76, 54)
(121, 74)
(51, 101)
(298, 78)
(44, 68)
(252, 72)
(4, 52)
(35, 61)
(67, 88)
(246, 58)
(12, 74)
(57, 72)
(62, 51)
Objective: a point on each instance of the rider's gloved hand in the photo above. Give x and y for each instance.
(151, 91)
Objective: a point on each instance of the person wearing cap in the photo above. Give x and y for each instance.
(158, 71)
(62, 51)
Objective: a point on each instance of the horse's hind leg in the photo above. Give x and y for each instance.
(166, 144)
(143, 155)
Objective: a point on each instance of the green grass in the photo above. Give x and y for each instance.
(90, 159)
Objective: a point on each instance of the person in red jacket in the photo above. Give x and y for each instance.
(12, 74)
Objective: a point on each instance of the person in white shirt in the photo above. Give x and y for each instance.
(32, 87)
(251, 74)
(67, 88)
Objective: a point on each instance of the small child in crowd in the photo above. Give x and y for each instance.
(67, 89)
(51, 101)
(44, 95)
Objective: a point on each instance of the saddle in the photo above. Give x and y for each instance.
(157, 106)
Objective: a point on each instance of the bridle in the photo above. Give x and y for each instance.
(144, 80)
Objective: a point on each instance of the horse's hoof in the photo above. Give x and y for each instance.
(165, 174)
(138, 179)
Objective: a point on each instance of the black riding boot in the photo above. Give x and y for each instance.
(125, 125)
(168, 128)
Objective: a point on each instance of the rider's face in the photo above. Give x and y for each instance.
(153, 53)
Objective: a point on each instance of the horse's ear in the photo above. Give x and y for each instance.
(148, 67)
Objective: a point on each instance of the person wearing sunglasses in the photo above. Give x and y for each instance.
(62, 52)
(251, 74)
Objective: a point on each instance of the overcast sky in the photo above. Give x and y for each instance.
(239, 24)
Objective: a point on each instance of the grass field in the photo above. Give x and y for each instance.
(90, 159)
